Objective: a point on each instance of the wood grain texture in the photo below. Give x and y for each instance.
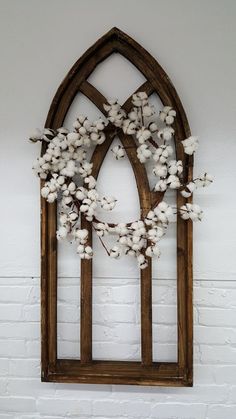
(86, 370)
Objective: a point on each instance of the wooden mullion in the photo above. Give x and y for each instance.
(86, 301)
(52, 286)
(146, 314)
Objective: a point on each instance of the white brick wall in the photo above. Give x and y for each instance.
(24, 396)
(195, 42)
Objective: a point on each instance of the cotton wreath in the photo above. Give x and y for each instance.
(67, 175)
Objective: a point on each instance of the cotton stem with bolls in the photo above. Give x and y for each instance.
(68, 177)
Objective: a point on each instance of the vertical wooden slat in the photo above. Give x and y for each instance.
(44, 291)
(52, 286)
(86, 302)
(146, 314)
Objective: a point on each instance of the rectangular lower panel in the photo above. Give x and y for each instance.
(116, 372)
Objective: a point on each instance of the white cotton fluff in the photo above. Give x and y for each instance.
(45, 191)
(62, 232)
(143, 134)
(203, 180)
(160, 186)
(175, 167)
(118, 152)
(142, 262)
(152, 251)
(143, 153)
(191, 211)
(189, 188)
(160, 170)
(63, 218)
(166, 133)
(167, 115)
(173, 182)
(73, 216)
(108, 203)
(163, 211)
(52, 196)
(162, 153)
(81, 193)
(190, 145)
(90, 181)
(115, 252)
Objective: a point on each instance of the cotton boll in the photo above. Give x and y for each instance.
(163, 212)
(143, 134)
(121, 229)
(165, 133)
(72, 187)
(153, 127)
(162, 153)
(67, 200)
(133, 115)
(52, 196)
(81, 235)
(90, 181)
(62, 232)
(175, 167)
(101, 138)
(185, 194)
(100, 125)
(167, 115)
(161, 186)
(115, 252)
(82, 131)
(93, 195)
(143, 153)
(36, 136)
(149, 251)
(81, 193)
(108, 203)
(153, 251)
(61, 180)
(80, 249)
(63, 218)
(147, 111)
(142, 262)
(116, 114)
(123, 240)
(140, 99)
(189, 188)
(190, 145)
(73, 216)
(45, 191)
(150, 218)
(101, 229)
(94, 136)
(118, 152)
(129, 127)
(155, 234)
(85, 205)
(191, 211)
(203, 180)
(173, 182)
(72, 137)
(88, 252)
(85, 169)
(160, 170)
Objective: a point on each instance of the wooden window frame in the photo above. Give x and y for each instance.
(87, 370)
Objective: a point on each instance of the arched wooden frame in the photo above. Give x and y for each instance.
(86, 370)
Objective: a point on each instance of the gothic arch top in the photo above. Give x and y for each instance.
(86, 370)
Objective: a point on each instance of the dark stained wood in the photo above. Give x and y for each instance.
(86, 370)
(86, 282)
